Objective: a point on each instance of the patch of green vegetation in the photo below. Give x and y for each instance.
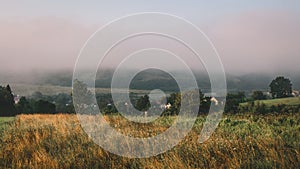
(4, 121)
(290, 101)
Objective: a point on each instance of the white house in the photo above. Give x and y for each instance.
(214, 100)
(16, 99)
(168, 106)
(295, 93)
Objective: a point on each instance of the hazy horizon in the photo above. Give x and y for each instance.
(64, 78)
(250, 37)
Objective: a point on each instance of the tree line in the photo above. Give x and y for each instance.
(280, 87)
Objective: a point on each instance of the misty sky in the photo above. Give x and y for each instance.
(252, 36)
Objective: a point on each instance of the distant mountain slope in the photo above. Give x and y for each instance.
(150, 79)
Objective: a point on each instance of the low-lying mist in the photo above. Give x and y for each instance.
(148, 80)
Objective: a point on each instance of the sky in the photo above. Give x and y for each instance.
(253, 36)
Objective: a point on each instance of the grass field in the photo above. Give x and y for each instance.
(240, 141)
(4, 121)
(291, 101)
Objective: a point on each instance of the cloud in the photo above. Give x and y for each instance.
(253, 41)
(43, 43)
(258, 41)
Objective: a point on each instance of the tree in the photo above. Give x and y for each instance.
(6, 102)
(175, 101)
(84, 99)
(258, 95)
(81, 94)
(44, 107)
(204, 103)
(8, 88)
(23, 106)
(281, 87)
(63, 102)
(233, 101)
(143, 103)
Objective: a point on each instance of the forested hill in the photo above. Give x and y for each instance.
(150, 79)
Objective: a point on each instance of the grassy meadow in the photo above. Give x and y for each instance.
(4, 122)
(240, 141)
(290, 101)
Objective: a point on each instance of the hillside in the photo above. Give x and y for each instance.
(150, 79)
(291, 101)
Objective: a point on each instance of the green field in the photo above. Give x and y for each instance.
(4, 121)
(291, 101)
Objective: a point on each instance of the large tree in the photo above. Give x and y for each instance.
(233, 101)
(7, 107)
(281, 87)
(143, 103)
(44, 107)
(23, 106)
(81, 94)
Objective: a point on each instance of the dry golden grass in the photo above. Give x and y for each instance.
(245, 141)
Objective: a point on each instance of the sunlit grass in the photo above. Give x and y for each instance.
(240, 141)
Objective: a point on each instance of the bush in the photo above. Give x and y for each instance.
(44, 107)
